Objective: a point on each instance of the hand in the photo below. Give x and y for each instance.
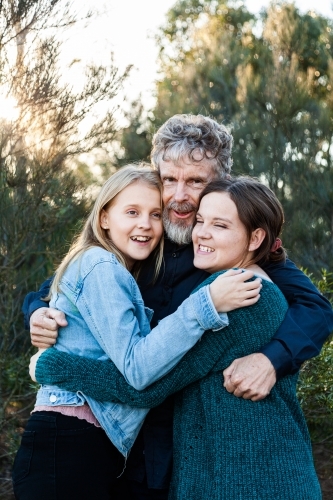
(251, 377)
(229, 291)
(33, 363)
(44, 323)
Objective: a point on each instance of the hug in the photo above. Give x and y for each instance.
(185, 326)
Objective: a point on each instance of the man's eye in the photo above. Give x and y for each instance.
(196, 183)
(168, 180)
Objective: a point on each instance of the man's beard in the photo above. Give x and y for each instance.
(179, 232)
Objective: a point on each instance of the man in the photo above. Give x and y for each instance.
(190, 151)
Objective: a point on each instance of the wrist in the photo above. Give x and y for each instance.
(279, 358)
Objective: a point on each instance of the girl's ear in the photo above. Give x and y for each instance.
(256, 239)
(103, 220)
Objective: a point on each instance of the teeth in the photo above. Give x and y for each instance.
(206, 249)
(140, 238)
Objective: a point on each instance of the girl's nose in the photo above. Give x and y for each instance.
(202, 231)
(144, 222)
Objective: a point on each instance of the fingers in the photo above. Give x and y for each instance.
(240, 281)
(236, 275)
(47, 319)
(246, 275)
(42, 342)
(232, 272)
(249, 292)
(252, 286)
(241, 391)
(234, 291)
(44, 323)
(259, 397)
(58, 316)
(41, 319)
(251, 377)
(228, 371)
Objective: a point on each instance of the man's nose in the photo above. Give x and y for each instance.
(181, 193)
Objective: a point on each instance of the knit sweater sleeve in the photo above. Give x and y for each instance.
(102, 381)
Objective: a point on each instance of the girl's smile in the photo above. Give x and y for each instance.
(134, 222)
(219, 237)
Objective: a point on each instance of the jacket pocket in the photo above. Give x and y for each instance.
(21, 467)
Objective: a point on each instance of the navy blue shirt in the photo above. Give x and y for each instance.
(306, 326)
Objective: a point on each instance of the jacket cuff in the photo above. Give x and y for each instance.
(205, 311)
(280, 358)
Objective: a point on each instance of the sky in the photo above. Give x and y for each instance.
(127, 29)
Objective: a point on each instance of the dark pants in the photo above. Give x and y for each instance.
(140, 491)
(64, 458)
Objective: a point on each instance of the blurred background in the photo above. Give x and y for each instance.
(84, 85)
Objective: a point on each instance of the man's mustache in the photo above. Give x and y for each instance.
(184, 207)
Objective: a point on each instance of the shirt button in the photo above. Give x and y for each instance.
(53, 398)
(174, 255)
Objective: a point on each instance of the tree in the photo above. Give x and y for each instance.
(42, 199)
(269, 78)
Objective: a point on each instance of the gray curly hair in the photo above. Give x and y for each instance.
(183, 135)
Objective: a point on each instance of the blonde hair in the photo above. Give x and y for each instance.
(93, 234)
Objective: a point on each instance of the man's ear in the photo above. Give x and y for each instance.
(103, 220)
(256, 239)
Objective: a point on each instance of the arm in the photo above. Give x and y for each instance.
(108, 301)
(308, 322)
(45, 320)
(33, 301)
(99, 379)
(103, 381)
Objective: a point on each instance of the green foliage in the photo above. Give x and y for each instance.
(135, 140)
(315, 387)
(43, 198)
(270, 77)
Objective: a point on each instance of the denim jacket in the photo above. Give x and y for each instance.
(107, 319)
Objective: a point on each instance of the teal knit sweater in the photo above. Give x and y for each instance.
(225, 448)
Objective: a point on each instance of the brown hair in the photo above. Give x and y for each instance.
(258, 207)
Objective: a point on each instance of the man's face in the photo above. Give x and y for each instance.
(182, 184)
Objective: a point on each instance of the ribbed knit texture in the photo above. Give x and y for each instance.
(225, 448)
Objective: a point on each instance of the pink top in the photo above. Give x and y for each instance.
(81, 412)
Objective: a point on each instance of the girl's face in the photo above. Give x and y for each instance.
(219, 237)
(134, 221)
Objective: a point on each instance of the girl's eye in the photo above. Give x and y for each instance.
(132, 212)
(221, 225)
(199, 221)
(157, 216)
